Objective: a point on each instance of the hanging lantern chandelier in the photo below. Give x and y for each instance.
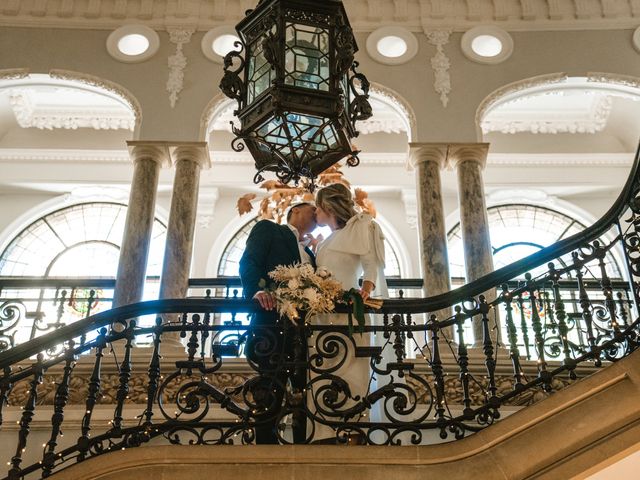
(298, 90)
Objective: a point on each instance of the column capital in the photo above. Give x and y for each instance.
(467, 152)
(157, 151)
(428, 152)
(197, 152)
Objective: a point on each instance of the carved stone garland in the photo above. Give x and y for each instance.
(177, 62)
(440, 64)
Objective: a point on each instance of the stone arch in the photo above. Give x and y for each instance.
(612, 84)
(221, 105)
(214, 109)
(399, 104)
(106, 87)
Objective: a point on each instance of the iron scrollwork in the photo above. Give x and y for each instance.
(231, 84)
(11, 314)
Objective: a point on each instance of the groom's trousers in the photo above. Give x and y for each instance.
(278, 350)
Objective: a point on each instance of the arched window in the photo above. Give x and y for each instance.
(78, 241)
(519, 230)
(230, 259)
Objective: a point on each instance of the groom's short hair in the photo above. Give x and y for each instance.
(297, 205)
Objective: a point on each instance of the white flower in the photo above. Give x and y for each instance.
(323, 272)
(310, 294)
(300, 288)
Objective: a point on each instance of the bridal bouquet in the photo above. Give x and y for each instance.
(300, 288)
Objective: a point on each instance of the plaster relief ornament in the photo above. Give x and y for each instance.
(440, 64)
(458, 13)
(177, 63)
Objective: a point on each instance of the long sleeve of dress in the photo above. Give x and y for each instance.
(373, 259)
(359, 246)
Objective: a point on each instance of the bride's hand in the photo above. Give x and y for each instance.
(367, 288)
(312, 242)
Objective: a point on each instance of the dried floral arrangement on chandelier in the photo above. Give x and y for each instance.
(280, 197)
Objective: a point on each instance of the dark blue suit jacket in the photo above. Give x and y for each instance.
(268, 246)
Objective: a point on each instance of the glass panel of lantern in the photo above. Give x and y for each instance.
(260, 74)
(307, 57)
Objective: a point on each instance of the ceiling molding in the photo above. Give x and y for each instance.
(35, 155)
(26, 155)
(365, 15)
(561, 159)
(30, 113)
(119, 91)
(515, 88)
(590, 119)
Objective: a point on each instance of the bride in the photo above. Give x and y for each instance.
(354, 249)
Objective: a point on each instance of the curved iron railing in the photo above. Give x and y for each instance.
(315, 382)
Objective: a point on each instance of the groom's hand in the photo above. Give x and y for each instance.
(265, 299)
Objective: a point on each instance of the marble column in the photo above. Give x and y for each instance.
(428, 159)
(189, 159)
(148, 158)
(469, 160)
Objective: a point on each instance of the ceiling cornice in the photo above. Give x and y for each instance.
(364, 15)
(34, 155)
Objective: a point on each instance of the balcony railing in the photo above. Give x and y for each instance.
(33, 306)
(563, 315)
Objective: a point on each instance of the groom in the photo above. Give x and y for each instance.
(268, 246)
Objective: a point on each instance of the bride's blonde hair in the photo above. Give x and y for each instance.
(336, 199)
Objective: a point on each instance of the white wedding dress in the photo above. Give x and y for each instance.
(353, 252)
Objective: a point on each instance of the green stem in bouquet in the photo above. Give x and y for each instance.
(352, 297)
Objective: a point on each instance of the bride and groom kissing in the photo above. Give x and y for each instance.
(354, 250)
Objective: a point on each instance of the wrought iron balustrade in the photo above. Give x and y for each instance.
(190, 397)
(576, 318)
(33, 306)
